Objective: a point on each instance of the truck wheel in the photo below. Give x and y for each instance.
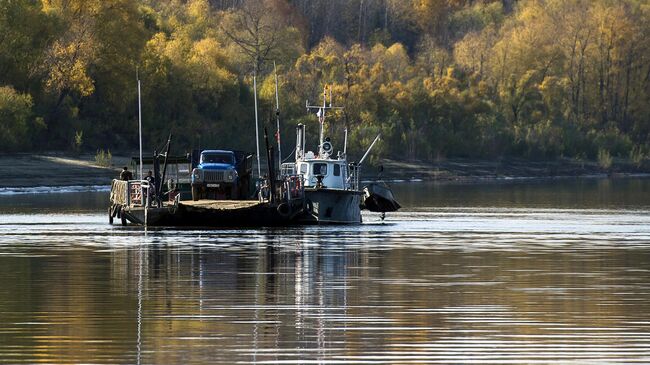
(196, 193)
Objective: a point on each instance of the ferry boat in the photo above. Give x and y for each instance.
(331, 184)
(317, 188)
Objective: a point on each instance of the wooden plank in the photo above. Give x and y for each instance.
(220, 204)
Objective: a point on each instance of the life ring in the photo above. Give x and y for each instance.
(284, 209)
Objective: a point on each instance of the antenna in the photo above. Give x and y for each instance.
(321, 115)
(137, 76)
(257, 133)
(277, 117)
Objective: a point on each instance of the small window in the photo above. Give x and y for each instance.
(303, 168)
(337, 170)
(320, 169)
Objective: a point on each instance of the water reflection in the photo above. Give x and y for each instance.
(571, 193)
(382, 293)
(454, 285)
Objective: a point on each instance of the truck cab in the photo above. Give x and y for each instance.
(220, 174)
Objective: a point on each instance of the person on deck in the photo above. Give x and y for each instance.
(126, 175)
(149, 192)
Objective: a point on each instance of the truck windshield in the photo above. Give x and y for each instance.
(216, 158)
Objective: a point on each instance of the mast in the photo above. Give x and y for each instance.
(137, 75)
(321, 115)
(322, 123)
(257, 133)
(277, 116)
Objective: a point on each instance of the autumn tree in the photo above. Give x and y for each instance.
(260, 32)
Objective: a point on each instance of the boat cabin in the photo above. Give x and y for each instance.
(323, 173)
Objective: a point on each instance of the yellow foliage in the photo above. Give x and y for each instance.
(207, 63)
(198, 9)
(68, 71)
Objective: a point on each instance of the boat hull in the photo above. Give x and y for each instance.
(214, 213)
(332, 206)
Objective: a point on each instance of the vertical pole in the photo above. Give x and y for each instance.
(269, 157)
(322, 122)
(277, 116)
(162, 180)
(140, 124)
(304, 140)
(257, 133)
(298, 140)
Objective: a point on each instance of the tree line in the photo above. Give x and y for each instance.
(538, 79)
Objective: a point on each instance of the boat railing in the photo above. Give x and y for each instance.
(353, 179)
(288, 169)
(135, 193)
(129, 193)
(293, 187)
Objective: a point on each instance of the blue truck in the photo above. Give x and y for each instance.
(221, 174)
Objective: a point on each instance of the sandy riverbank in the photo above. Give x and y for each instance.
(465, 170)
(59, 170)
(29, 170)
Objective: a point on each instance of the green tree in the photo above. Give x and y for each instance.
(15, 119)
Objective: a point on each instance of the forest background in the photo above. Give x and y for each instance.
(536, 79)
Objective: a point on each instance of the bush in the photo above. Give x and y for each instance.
(612, 140)
(103, 158)
(77, 141)
(15, 115)
(637, 156)
(604, 159)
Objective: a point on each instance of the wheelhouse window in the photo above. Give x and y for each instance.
(337, 170)
(320, 169)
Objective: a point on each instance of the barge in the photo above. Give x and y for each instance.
(320, 188)
(130, 204)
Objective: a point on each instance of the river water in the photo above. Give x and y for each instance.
(519, 272)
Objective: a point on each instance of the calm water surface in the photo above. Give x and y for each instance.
(499, 273)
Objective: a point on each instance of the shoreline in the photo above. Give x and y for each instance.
(471, 171)
(43, 173)
(66, 189)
